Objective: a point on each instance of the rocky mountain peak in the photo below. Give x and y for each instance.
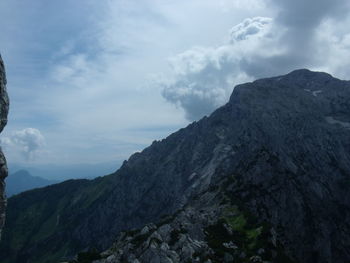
(297, 80)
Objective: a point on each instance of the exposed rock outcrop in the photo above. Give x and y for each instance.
(210, 228)
(284, 144)
(4, 107)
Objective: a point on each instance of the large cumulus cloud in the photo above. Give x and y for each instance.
(303, 34)
(299, 24)
(28, 142)
(204, 77)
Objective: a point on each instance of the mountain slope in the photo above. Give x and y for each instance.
(22, 180)
(286, 141)
(212, 228)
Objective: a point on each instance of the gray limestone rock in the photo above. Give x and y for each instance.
(4, 107)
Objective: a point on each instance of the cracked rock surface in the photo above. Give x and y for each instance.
(4, 107)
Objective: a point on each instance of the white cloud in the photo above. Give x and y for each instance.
(83, 78)
(28, 142)
(108, 92)
(204, 77)
(250, 27)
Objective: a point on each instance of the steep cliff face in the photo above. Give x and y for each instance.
(284, 145)
(4, 106)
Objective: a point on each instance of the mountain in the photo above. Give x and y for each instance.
(62, 172)
(268, 173)
(22, 180)
(4, 108)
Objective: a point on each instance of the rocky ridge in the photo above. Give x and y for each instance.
(210, 228)
(4, 107)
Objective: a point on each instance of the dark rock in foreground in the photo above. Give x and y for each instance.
(4, 107)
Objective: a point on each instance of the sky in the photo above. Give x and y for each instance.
(92, 82)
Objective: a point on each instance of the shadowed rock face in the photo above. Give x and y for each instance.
(4, 106)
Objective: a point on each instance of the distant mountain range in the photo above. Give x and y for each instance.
(22, 180)
(23, 177)
(264, 178)
(60, 172)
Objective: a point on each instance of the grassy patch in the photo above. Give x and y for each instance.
(237, 223)
(245, 233)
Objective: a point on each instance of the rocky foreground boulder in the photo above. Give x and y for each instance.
(266, 177)
(4, 107)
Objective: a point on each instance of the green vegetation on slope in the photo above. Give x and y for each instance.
(41, 215)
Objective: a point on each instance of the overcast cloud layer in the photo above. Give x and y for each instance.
(100, 80)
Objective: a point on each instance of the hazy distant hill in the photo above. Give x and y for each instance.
(22, 180)
(61, 172)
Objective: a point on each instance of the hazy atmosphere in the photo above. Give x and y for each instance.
(91, 82)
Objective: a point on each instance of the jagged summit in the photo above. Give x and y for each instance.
(282, 143)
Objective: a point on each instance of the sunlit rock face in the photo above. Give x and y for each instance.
(4, 107)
